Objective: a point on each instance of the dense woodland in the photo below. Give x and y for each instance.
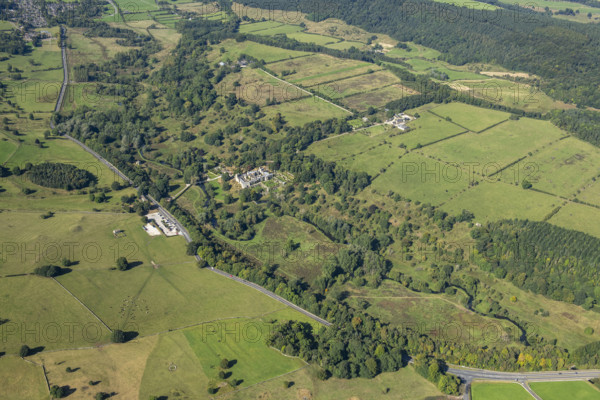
(60, 176)
(558, 263)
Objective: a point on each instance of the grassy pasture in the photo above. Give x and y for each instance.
(127, 6)
(405, 384)
(345, 145)
(312, 38)
(310, 70)
(564, 167)
(428, 128)
(41, 313)
(373, 160)
(579, 390)
(113, 368)
(578, 217)
(591, 193)
(258, 26)
(233, 50)
(257, 87)
(192, 200)
(143, 298)
(362, 83)
(498, 391)
(420, 178)
(345, 45)
(473, 118)
(491, 201)
(245, 345)
(416, 51)
(497, 147)
(508, 93)
(377, 98)
(300, 112)
(21, 380)
(269, 28)
(83, 237)
(470, 4)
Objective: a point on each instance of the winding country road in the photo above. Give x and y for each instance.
(164, 212)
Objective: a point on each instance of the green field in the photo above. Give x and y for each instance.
(420, 178)
(565, 390)
(362, 83)
(44, 316)
(507, 93)
(234, 49)
(590, 193)
(346, 145)
(319, 68)
(137, 6)
(377, 98)
(472, 5)
(498, 391)
(241, 340)
(491, 201)
(21, 380)
(143, 298)
(497, 147)
(579, 217)
(426, 129)
(563, 168)
(300, 112)
(473, 118)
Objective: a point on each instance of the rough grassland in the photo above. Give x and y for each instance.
(306, 261)
(21, 380)
(404, 384)
(113, 368)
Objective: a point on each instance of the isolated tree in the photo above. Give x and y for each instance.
(225, 363)
(122, 264)
(118, 336)
(24, 351)
(56, 392)
(115, 185)
(526, 184)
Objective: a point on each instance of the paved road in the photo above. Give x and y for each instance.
(472, 373)
(522, 378)
(171, 218)
(63, 88)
